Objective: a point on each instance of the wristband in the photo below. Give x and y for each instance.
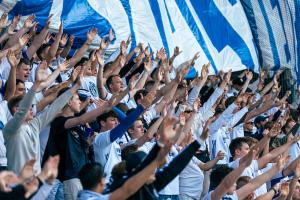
(275, 191)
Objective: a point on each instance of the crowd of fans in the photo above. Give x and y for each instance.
(133, 126)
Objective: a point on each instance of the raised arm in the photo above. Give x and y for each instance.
(244, 191)
(11, 82)
(39, 39)
(275, 153)
(133, 184)
(80, 53)
(100, 78)
(54, 46)
(231, 178)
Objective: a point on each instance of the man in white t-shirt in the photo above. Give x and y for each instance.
(106, 149)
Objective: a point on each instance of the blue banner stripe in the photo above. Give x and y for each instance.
(73, 21)
(158, 19)
(220, 31)
(186, 13)
(169, 18)
(271, 35)
(127, 7)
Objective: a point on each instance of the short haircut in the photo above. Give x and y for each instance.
(243, 180)
(14, 101)
(19, 81)
(90, 175)
(139, 94)
(81, 62)
(218, 174)
(119, 170)
(237, 144)
(251, 141)
(41, 50)
(106, 115)
(23, 61)
(110, 79)
(128, 149)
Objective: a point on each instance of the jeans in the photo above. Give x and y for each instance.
(71, 188)
(168, 197)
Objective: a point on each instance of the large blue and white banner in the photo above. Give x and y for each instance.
(276, 29)
(218, 29)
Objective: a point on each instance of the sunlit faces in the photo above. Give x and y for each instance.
(241, 152)
(116, 85)
(20, 89)
(23, 72)
(109, 123)
(137, 130)
(75, 103)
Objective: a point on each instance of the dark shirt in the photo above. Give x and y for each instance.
(71, 144)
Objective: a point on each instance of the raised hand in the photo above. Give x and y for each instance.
(161, 54)
(6, 180)
(13, 25)
(63, 41)
(167, 131)
(47, 26)
(249, 75)
(100, 58)
(24, 39)
(196, 56)
(29, 22)
(148, 99)
(64, 66)
(177, 52)
(220, 155)
(123, 48)
(3, 20)
(75, 74)
(50, 169)
(71, 40)
(91, 35)
(41, 74)
(148, 66)
(282, 162)
(284, 189)
(128, 41)
(13, 59)
(111, 35)
(204, 71)
(27, 170)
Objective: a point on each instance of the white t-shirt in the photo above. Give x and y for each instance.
(219, 141)
(226, 197)
(250, 171)
(294, 150)
(191, 179)
(4, 68)
(107, 153)
(173, 187)
(4, 117)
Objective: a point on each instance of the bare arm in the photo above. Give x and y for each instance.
(80, 53)
(133, 184)
(53, 48)
(39, 39)
(100, 78)
(67, 48)
(210, 164)
(231, 178)
(11, 82)
(244, 191)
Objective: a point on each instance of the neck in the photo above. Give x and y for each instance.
(67, 112)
